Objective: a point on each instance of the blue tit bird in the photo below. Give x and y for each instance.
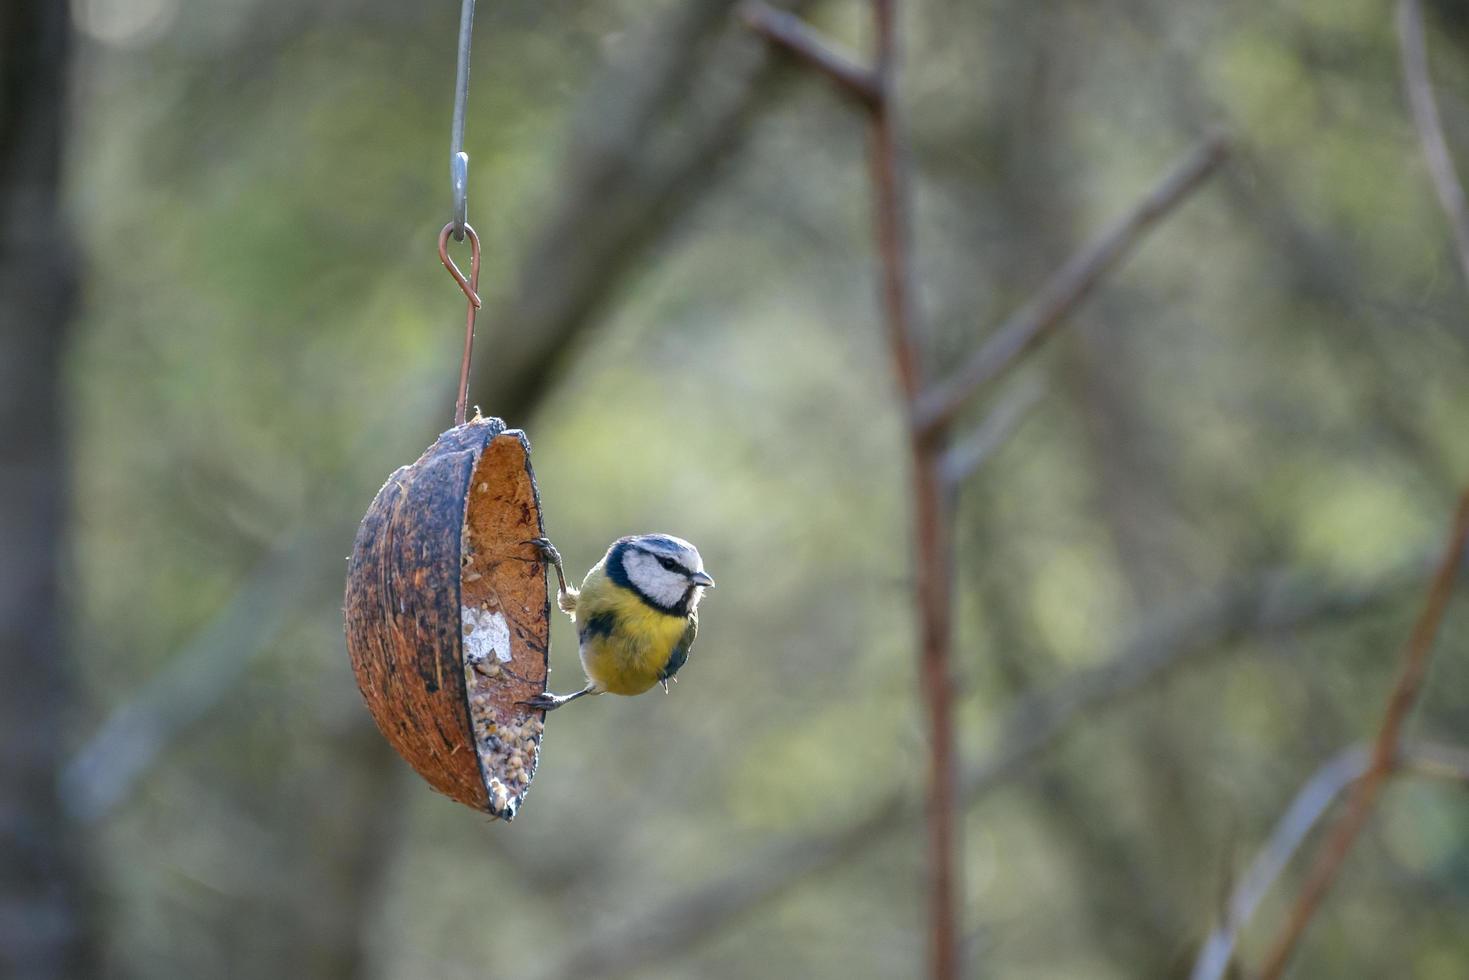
(636, 614)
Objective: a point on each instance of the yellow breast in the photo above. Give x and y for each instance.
(625, 644)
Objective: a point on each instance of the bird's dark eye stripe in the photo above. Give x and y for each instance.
(671, 565)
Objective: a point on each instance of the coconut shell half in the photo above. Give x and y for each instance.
(448, 615)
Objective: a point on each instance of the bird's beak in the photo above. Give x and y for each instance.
(699, 578)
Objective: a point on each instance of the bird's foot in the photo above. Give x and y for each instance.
(565, 596)
(547, 549)
(546, 701)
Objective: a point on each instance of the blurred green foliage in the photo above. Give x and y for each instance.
(1276, 381)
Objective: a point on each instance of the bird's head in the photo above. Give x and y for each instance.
(666, 572)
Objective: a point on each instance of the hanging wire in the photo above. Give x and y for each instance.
(458, 159)
(470, 287)
(459, 225)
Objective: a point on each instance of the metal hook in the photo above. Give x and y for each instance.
(458, 159)
(470, 288)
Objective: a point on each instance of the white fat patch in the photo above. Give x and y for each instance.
(664, 587)
(486, 634)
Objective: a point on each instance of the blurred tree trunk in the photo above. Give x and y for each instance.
(45, 925)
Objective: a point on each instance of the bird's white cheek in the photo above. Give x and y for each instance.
(668, 589)
(656, 582)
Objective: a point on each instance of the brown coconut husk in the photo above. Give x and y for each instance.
(448, 615)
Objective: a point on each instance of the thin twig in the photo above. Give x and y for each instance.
(1267, 603)
(932, 545)
(1066, 289)
(931, 407)
(975, 449)
(933, 586)
(1311, 803)
(890, 196)
(1430, 127)
(1433, 760)
(1400, 702)
(790, 34)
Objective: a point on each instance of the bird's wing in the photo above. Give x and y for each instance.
(680, 654)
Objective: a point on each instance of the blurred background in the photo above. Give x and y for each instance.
(1182, 580)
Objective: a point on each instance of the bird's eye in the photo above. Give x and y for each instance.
(666, 563)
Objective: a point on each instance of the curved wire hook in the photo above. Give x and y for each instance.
(470, 287)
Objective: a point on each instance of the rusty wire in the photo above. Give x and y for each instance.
(458, 225)
(470, 286)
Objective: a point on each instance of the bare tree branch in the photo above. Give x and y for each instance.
(933, 580)
(1009, 413)
(1061, 294)
(1400, 702)
(1430, 128)
(1311, 803)
(931, 406)
(1313, 800)
(932, 547)
(789, 33)
(1256, 606)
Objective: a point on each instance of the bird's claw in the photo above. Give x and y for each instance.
(565, 598)
(547, 549)
(545, 701)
